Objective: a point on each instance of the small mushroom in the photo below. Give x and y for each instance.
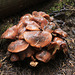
(18, 46)
(60, 32)
(33, 63)
(14, 57)
(10, 33)
(37, 38)
(43, 56)
(59, 41)
(47, 17)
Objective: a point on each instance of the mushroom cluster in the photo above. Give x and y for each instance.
(37, 37)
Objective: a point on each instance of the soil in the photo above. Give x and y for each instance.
(61, 65)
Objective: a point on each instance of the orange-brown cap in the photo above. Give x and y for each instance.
(10, 33)
(38, 14)
(26, 16)
(38, 38)
(43, 56)
(21, 30)
(40, 20)
(60, 32)
(18, 46)
(58, 40)
(32, 27)
(47, 17)
(49, 28)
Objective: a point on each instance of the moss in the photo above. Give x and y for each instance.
(59, 4)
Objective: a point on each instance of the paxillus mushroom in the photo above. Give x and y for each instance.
(34, 38)
(43, 56)
(38, 38)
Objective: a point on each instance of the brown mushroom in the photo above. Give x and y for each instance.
(10, 33)
(14, 57)
(21, 30)
(43, 56)
(40, 20)
(42, 14)
(38, 14)
(50, 27)
(59, 41)
(37, 38)
(32, 27)
(26, 16)
(17, 46)
(60, 32)
(47, 17)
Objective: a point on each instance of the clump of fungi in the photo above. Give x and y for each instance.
(36, 37)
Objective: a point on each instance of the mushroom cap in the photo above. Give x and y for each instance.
(43, 56)
(17, 46)
(14, 57)
(38, 38)
(47, 17)
(21, 30)
(32, 27)
(20, 24)
(49, 28)
(60, 32)
(10, 33)
(40, 20)
(58, 40)
(26, 16)
(38, 14)
(41, 14)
